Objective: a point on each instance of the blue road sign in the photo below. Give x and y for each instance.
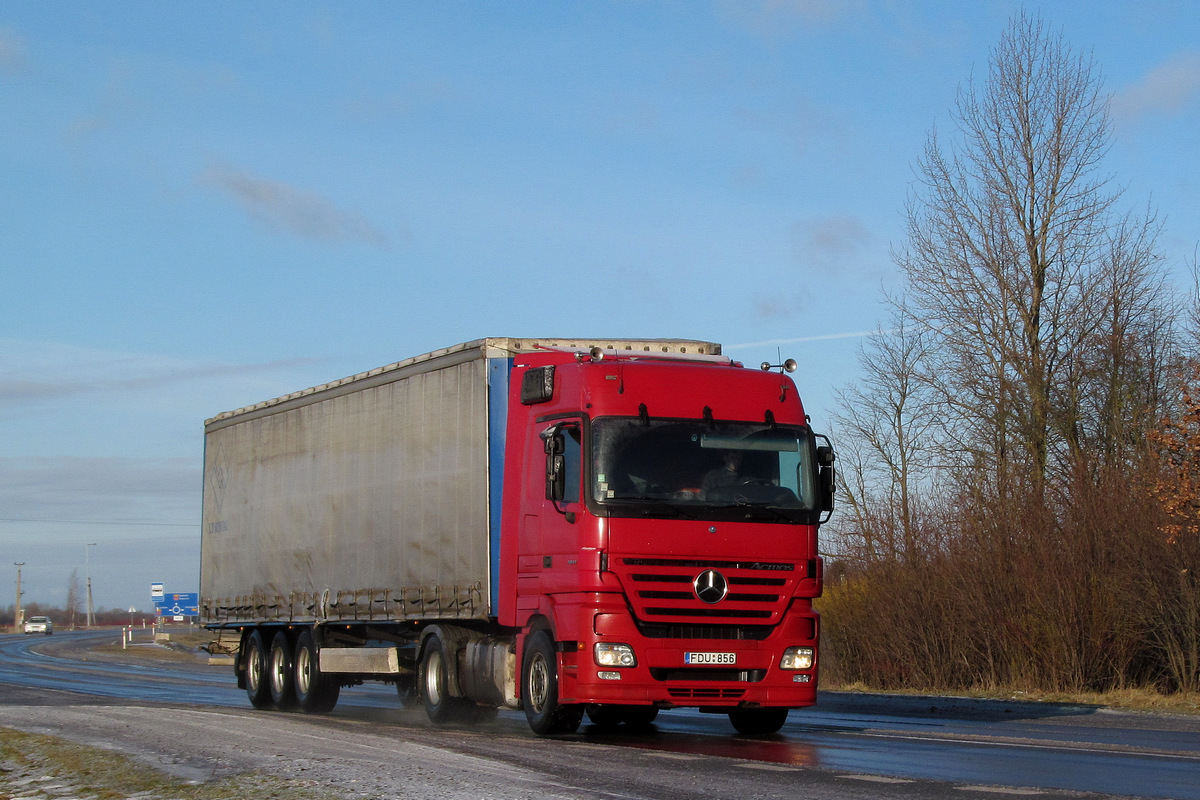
(178, 604)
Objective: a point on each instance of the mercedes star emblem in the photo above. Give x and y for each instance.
(711, 586)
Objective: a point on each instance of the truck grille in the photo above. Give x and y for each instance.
(680, 693)
(750, 633)
(712, 675)
(661, 591)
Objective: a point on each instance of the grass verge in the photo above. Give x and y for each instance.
(32, 765)
(1146, 700)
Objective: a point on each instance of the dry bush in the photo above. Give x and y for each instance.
(1092, 597)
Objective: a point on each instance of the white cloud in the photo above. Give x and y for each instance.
(830, 241)
(105, 446)
(12, 52)
(37, 372)
(1167, 89)
(120, 492)
(303, 213)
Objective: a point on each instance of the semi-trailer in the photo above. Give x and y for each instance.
(609, 527)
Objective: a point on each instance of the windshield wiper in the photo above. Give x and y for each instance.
(661, 504)
(765, 508)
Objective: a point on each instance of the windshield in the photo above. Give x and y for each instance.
(703, 469)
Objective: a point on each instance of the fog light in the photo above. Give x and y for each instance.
(614, 655)
(614, 676)
(797, 658)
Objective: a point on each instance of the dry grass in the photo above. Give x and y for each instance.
(183, 646)
(1144, 700)
(27, 760)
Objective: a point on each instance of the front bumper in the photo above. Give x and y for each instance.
(664, 677)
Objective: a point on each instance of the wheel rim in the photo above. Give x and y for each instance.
(254, 668)
(433, 677)
(539, 683)
(278, 669)
(303, 671)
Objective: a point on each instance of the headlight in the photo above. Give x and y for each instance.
(614, 655)
(797, 658)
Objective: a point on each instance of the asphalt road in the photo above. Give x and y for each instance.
(190, 719)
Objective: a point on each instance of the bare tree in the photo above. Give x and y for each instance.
(74, 597)
(1001, 434)
(888, 417)
(1010, 239)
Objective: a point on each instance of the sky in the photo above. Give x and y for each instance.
(206, 205)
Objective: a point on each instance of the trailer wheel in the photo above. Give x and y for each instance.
(758, 721)
(316, 692)
(257, 680)
(434, 681)
(283, 679)
(539, 690)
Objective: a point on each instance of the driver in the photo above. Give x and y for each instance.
(725, 476)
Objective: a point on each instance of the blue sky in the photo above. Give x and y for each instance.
(205, 205)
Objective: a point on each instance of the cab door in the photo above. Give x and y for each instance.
(549, 537)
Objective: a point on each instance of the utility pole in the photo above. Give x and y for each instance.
(18, 616)
(87, 570)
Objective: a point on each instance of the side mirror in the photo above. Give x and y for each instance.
(556, 484)
(556, 463)
(827, 476)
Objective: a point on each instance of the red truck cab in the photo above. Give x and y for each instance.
(659, 538)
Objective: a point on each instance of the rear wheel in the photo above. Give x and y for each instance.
(758, 721)
(283, 679)
(434, 681)
(539, 690)
(316, 692)
(257, 681)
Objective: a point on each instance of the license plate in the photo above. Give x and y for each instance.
(710, 658)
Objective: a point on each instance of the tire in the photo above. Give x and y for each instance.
(434, 684)
(258, 684)
(408, 692)
(758, 721)
(609, 717)
(539, 690)
(281, 673)
(316, 693)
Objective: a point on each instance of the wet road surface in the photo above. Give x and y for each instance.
(879, 742)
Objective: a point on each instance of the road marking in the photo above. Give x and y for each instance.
(999, 790)
(876, 779)
(1029, 744)
(676, 756)
(769, 767)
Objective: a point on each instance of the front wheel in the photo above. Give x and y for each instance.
(539, 690)
(758, 721)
